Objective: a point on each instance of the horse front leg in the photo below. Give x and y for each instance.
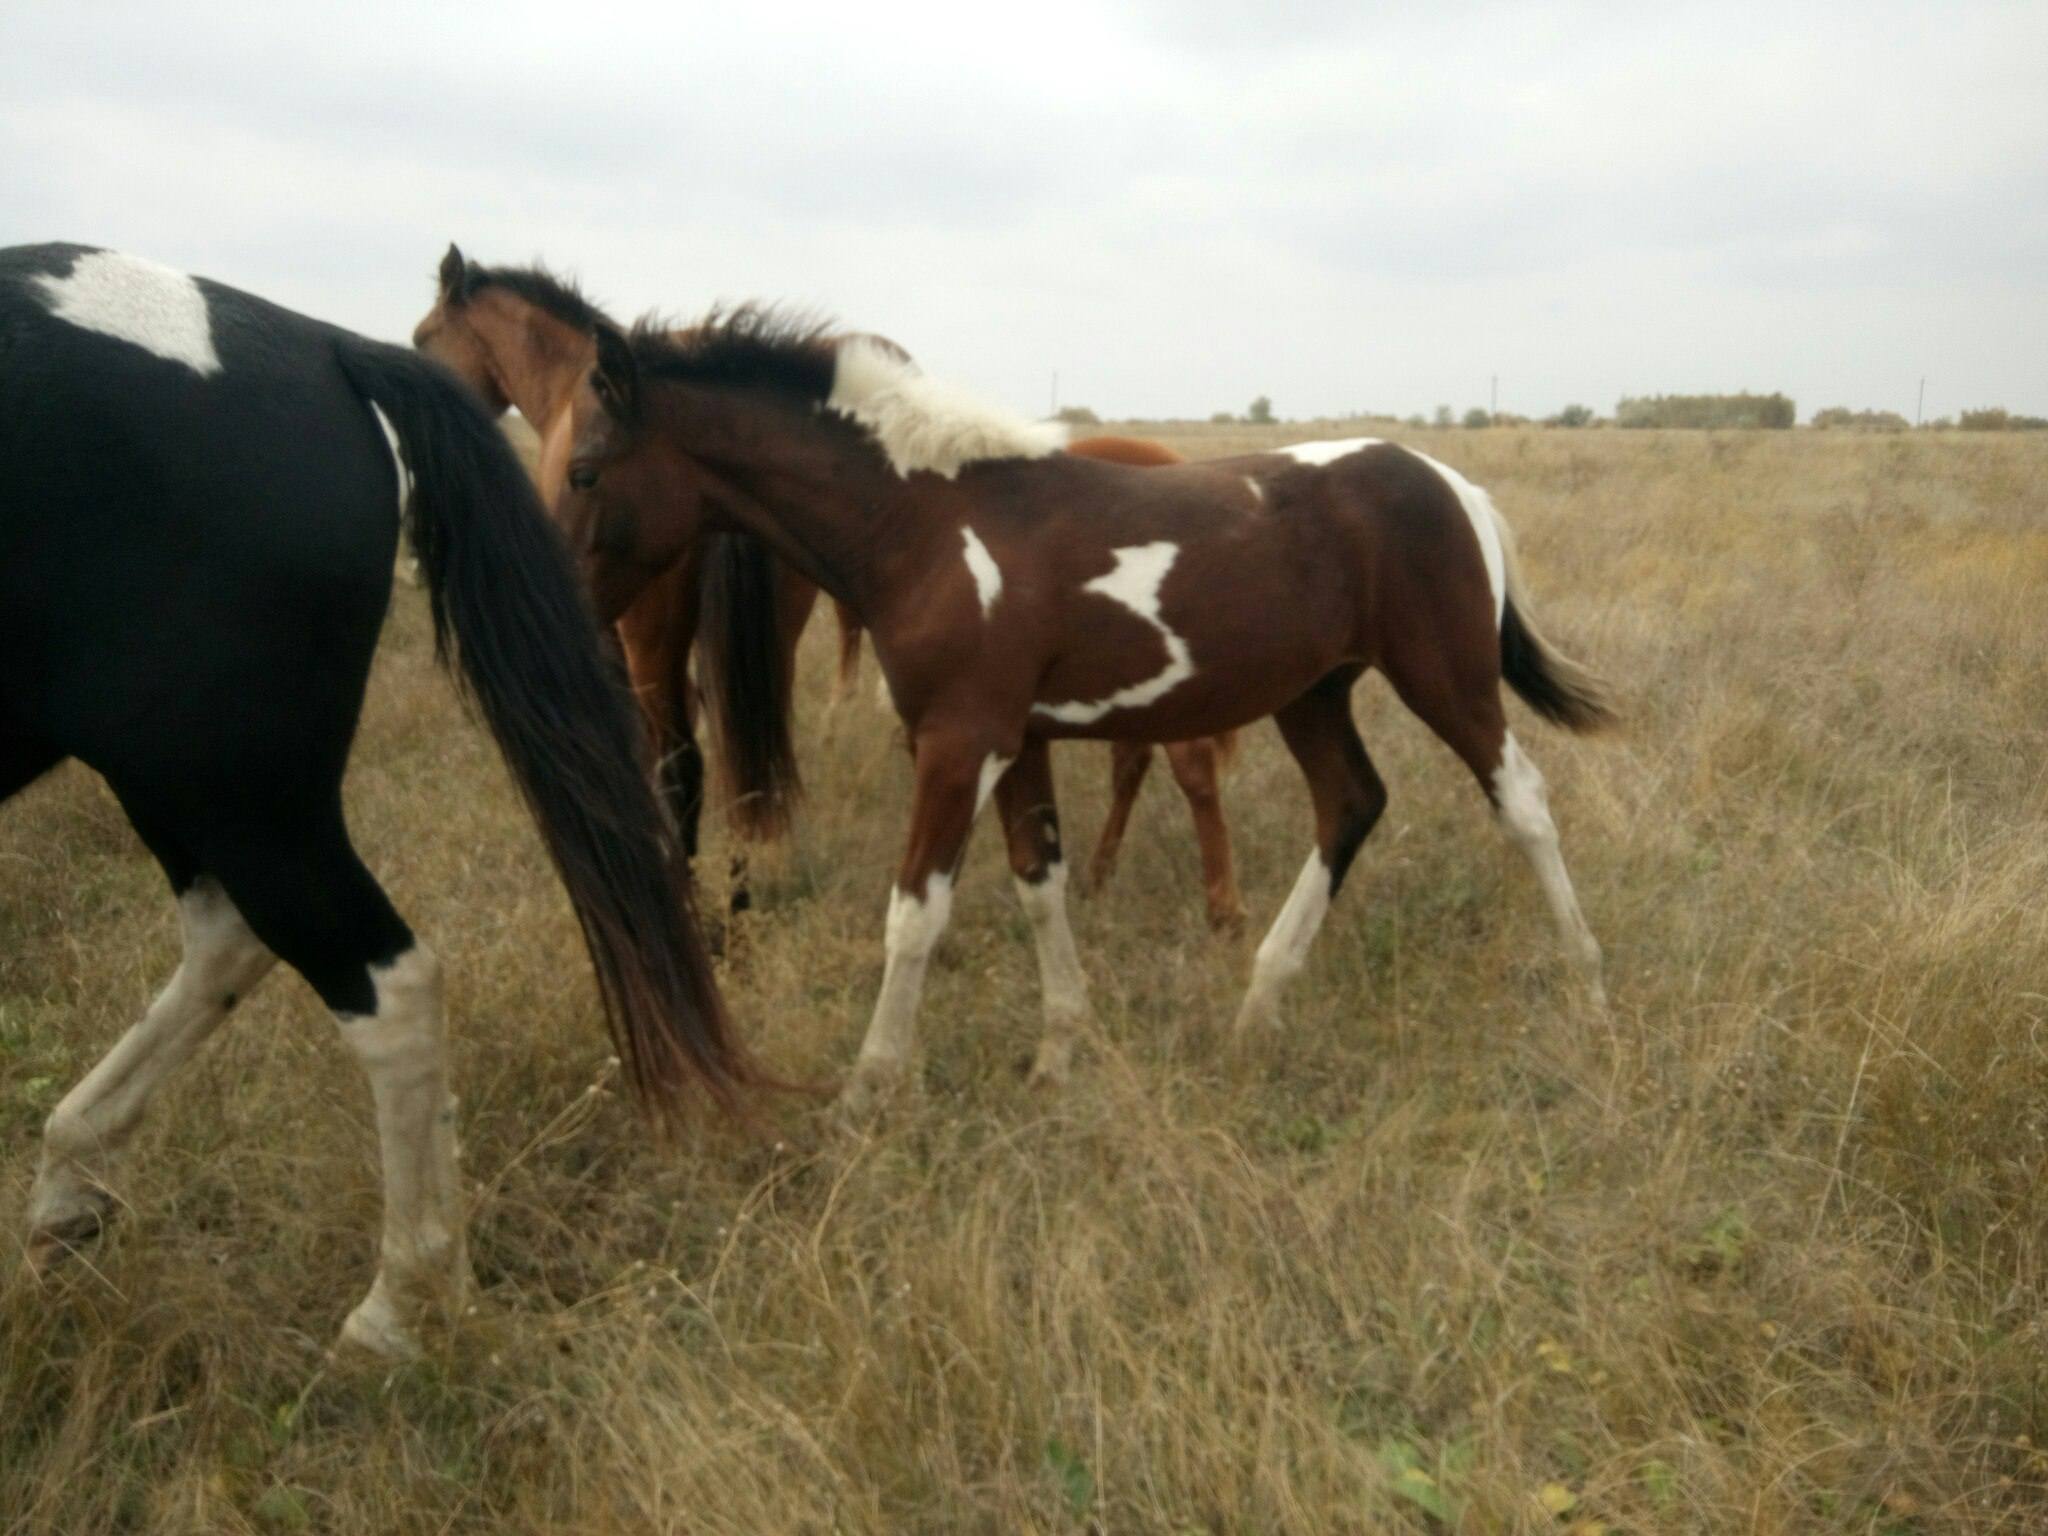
(1031, 825)
(1349, 798)
(954, 775)
(656, 633)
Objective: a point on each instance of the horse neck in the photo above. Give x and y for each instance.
(830, 510)
(540, 360)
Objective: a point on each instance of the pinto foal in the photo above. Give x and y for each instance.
(1017, 595)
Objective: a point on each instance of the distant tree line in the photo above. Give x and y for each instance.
(1839, 418)
(1996, 418)
(1743, 410)
(1715, 412)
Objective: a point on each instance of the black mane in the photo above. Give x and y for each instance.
(757, 346)
(550, 291)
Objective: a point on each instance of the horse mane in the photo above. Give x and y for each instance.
(917, 422)
(550, 291)
(784, 351)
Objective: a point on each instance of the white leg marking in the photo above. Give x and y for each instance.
(153, 307)
(920, 423)
(1060, 980)
(1284, 950)
(1525, 816)
(222, 961)
(1134, 582)
(914, 926)
(988, 576)
(1327, 453)
(993, 767)
(397, 458)
(1258, 491)
(422, 1260)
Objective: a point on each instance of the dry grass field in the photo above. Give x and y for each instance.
(1763, 1250)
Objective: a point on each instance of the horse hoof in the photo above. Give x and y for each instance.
(1256, 1018)
(375, 1330)
(868, 1092)
(1046, 1077)
(52, 1242)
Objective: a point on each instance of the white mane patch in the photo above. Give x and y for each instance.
(1327, 453)
(988, 576)
(1135, 583)
(150, 306)
(922, 424)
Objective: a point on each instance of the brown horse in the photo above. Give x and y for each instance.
(521, 336)
(1017, 595)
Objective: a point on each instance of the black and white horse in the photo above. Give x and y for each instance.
(200, 500)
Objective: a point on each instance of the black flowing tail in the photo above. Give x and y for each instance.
(747, 671)
(509, 613)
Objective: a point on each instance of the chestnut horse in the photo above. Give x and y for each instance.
(1017, 595)
(521, 336)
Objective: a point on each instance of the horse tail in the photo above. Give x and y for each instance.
(848, 675)
(1559, 689)
(747, 684)
(510, 615)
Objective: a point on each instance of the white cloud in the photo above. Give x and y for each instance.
(1175, 208)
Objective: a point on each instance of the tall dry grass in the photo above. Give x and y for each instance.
(1761, 1251)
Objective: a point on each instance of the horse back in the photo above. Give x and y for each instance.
(197, 514)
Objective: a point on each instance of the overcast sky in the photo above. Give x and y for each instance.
(1175, 206)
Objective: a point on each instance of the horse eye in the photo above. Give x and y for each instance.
(582, 477)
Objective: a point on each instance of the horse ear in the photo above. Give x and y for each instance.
(453, 268)
(617, 376)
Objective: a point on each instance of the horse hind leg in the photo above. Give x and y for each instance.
(1195, 770)
(1467, 715)
(308, 897)
(1129, 762)
(1518, 793)
(1031, 827)
(1349, 797)
(223, 960)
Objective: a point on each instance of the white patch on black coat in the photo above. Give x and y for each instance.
(397, 456)
(140, 302)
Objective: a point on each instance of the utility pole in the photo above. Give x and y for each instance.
(1920, 410)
